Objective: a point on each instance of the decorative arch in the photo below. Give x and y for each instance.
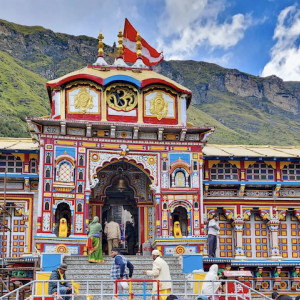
(109, 183)
(180, 165)
(175, 204)
(148, 164)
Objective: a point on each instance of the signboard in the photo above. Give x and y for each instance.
(242, 291)
(237, 273)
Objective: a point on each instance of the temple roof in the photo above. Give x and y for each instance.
(251, 151)
(104, 76)
(18, 144)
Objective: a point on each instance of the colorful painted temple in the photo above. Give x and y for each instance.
(118, 144)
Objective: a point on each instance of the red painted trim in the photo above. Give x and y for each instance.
(142, 225)
(156, 80)
(125, 119)
(75, 77)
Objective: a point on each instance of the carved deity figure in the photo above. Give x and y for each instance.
(158, 106)
(63, 228)
(83, 100)
(177, 230)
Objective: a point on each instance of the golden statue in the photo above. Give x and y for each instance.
(83, 100)
(158, 106)
(177, 231)
(63, 228)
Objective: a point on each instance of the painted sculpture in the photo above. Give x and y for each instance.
(177, 230)
(63, 228)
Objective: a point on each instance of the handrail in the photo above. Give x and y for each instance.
(114, 283)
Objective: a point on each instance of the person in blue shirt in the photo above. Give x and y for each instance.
(118, 270)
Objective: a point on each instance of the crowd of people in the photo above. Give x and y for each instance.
(211, 289)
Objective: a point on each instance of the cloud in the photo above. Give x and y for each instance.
(223, 60)
(285, 54)
(186, 25)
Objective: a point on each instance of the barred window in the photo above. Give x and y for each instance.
(224, 171)
(291, 172)
(260, 171)
(10, 164)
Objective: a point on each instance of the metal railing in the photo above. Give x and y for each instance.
(231, 290)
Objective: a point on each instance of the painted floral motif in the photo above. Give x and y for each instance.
(46, 221)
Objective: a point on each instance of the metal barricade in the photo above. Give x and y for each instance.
(241, 290)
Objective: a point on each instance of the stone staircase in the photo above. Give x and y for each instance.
(80, 269)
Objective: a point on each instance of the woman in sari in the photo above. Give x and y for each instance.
(94, 243)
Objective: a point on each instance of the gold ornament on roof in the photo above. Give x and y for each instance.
(83, 100)
(122, 99)
(158, 106)
(138, 45)
(120, 41)
(100, 44)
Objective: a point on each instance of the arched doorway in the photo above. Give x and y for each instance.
(122, 191)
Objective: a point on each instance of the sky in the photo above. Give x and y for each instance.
(260, 37)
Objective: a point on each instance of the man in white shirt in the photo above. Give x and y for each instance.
(213, 232)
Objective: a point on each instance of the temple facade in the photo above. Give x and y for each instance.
(118, 144)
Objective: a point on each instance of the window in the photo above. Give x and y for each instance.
(164, 166)
(195, 166)
(48, 172)
(259, 171)
(165, 205)
(10, 164)
(291, 172)
(80, 175)
(65, 172)
(47, 205)
(224, 171)
(48, 158)
(33, 166)
(79, 207)
(180, 179)
(47, 187)
(80, 188)
(81, 161)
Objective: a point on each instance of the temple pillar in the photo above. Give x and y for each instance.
(273, 225)
(238, 225)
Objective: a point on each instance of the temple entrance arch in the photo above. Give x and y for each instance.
(123, 191)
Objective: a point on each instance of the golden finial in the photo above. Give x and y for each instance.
(120, 41)
(100, 44)
(138, 45)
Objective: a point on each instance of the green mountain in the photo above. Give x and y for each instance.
(245, 109)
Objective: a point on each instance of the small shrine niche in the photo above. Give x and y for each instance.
(180, 214)
(62, 212)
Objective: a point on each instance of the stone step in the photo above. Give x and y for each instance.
(107, 272)
(132, 259)
(108, 266)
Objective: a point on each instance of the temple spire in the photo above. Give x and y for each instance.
(120, 61)
(100, 60)
(100, 44)
(138, 45)
(139, 64)
(120, 41)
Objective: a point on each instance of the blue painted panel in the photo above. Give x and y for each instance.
(51, 261)
(183, 156)
(122, 78)
(192, 263)
(26, 175)
(62, 150)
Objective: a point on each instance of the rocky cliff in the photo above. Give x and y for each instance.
(246, 109)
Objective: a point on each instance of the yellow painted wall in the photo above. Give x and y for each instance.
(42, 276)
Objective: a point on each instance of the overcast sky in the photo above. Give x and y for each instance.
(260, 37)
